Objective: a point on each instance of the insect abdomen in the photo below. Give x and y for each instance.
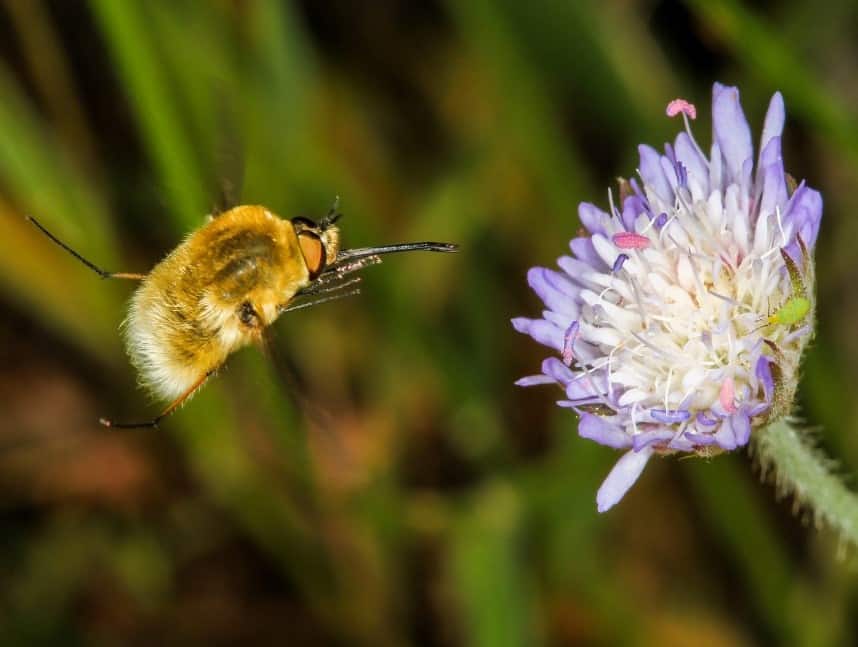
(163, 340)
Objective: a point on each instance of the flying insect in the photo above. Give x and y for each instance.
(220, 288)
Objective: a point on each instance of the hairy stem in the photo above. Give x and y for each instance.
(788, 456)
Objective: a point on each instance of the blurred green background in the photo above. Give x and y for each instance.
(379, 480)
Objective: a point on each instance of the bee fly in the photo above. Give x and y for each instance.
(223, 285)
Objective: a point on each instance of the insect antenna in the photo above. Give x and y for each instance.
(332, 216)
(102, 273)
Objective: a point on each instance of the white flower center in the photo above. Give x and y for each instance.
(680, 323)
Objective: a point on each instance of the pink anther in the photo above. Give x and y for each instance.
(681, 105)
(568, 354)
(630, 240)
(726, 395)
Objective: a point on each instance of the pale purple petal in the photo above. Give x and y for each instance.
(562, 321)
(575, 269)
(744, 179)
(741, 428)
(774, 188)
(763, 371)
(557, 371)
(633, 206)
(803, 213)
(731, 130)
(771, 154)
(724, 437)
(695, 165)
(716, 168)
(674, 172)
(556, 292)
(592, 218)
(706, 421)
(773, 126)
(652, 173)
(669, 417)
(621, 478)
(542, 331)
(701, 439)
(671, 158)
(586, 386)
(532, 380)
(650, 438)
(585, 251)
(603, 432)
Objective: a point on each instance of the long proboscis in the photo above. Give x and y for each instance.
(364, 252)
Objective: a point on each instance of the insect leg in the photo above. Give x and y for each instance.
(339, 270)
(322, 290)
(324, 287)
(102, 273)
(318, 300)
(175, 404)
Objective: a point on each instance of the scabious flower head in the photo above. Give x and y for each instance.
(679, 320)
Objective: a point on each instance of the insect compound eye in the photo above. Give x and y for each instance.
(300, 224)
(314, 253)
(247, 315)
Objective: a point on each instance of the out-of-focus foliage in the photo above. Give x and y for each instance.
(379, 480)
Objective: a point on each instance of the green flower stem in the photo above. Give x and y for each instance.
(800, 469)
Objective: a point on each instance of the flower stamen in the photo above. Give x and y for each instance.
(569, 338)
(726, 395)
(618, 264)
(630, 240)
(681, 106)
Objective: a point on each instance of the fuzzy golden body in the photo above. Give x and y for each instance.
(224, 284)
(211, 295)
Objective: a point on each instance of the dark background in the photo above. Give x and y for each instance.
(379, 480)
